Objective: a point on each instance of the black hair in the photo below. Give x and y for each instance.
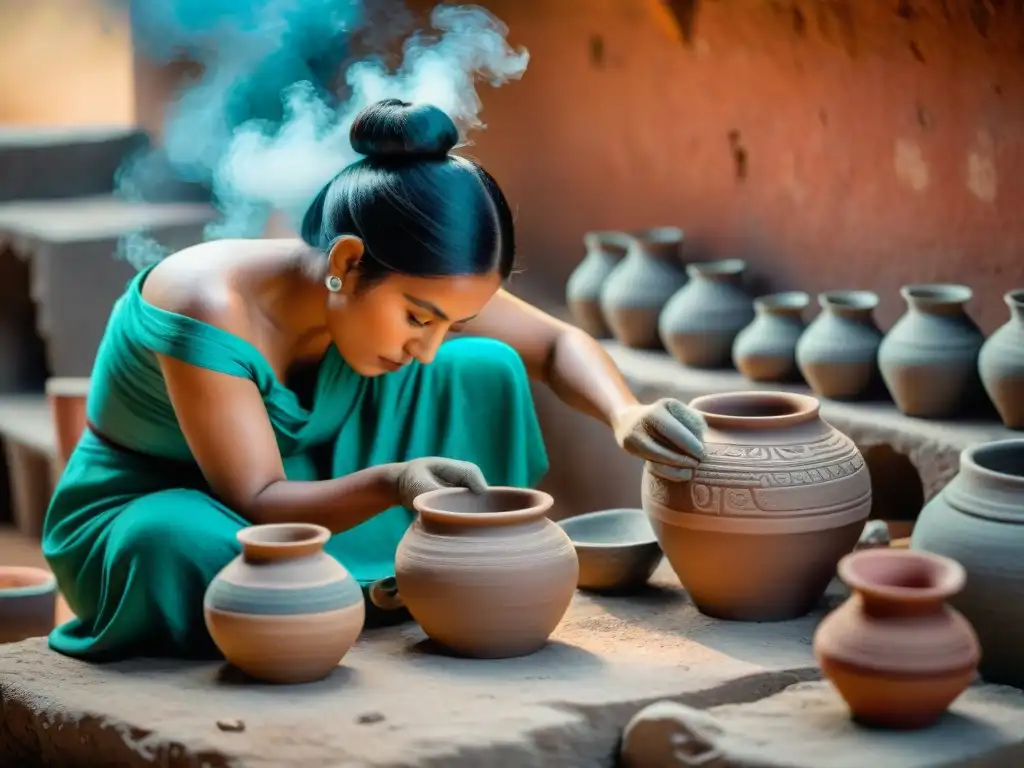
(418, 209)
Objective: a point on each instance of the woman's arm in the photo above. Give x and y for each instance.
(227, 428)
(573, 365)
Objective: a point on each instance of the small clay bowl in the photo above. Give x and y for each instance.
(28, 603)
(617, 549)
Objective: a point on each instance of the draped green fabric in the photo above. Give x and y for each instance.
(133, 533)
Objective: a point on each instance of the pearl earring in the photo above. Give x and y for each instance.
(333, 283)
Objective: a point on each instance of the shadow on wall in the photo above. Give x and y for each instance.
(64, 62)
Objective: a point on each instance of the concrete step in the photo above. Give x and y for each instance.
(30, 454)
(59, 162)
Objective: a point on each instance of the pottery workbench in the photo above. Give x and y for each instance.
(396, 702)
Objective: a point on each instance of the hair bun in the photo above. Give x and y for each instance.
(397, 129)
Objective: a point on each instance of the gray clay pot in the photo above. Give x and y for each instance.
(583, 289)
(1001, 364)
(766, 349)
(838, 353)
(634, 293)
(700, 322)
(978, 520)
(929, 358)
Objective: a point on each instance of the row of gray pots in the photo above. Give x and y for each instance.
(935, 361)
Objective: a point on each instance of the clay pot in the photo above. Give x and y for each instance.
(838, 353)
(1001, 364)
(634, 293)
(583, 289)
(699, 323)
(28, 603)
(488, 575)
(895, 651)
(766, 349)
(779, 497)
(978, 520)
(284, 611)
(67, 396)
(929, 358)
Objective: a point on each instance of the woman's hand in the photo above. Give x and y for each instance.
(666, 433)
(433, 472)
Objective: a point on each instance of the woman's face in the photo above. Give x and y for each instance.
(402, 318)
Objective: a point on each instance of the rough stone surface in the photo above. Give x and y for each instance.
(933, 446)
(396, 702)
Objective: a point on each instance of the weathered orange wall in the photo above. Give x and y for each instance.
(833, 143)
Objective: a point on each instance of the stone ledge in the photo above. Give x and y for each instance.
(395, 702)
(932, 446)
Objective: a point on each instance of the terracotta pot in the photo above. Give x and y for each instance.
(67, 398)
(978, 520)
(894, 650)
(929, 358)
(486, 575)
(838, 353)
(700, 322)
(779, 497)
(766, 349)
(583, 289)
(28, 603)
(1001, 364)
(284, 611)
(634, 293)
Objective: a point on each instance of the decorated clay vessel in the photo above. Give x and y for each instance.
(977, 519)
(28, 603)
(486, 575)
(778, 499)
(700, 322)
(766, 349)
(583, 289)
(1001, 364)
(634, 293)
(284, 611)
(838, 352)
(929, 358)
(897, 654)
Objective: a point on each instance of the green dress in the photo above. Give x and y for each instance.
(134, 534)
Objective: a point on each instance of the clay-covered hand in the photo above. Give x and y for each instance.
(667, 434)
(433, 472)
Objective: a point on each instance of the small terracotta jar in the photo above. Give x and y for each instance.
(766, 349)
(67, 399)
(28, 603)
(284, 611)
(1001, 364)
(894, 650)
(779, 497)
(488, 575)
(583, 289)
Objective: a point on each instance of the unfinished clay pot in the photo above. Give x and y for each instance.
(1001, 364)
(977, 519)
(284, 611)
(583, 289)
(897, 654)
(486, 575)
(28, 603)
(699, 323)
(766, 349)
(634, 293)
(929, 358)
(838, 353)
(779, 498)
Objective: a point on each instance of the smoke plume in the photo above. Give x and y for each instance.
(265, 125)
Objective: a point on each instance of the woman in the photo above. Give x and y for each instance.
(235, 375)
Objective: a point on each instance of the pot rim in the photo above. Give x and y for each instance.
(950, 576)
(40, 581)
(1014, 299)
(274, 536)
(535, 504)
(932, 294)
(667, 235)
(849, 299)
(784, 300)
(603, 514)
(791, 408)
(971, 461)
(717, 267)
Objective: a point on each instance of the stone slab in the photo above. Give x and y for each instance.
(395, 701)
(933, 446)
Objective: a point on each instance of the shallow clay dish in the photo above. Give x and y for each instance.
(28, 603)
(617, 549)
